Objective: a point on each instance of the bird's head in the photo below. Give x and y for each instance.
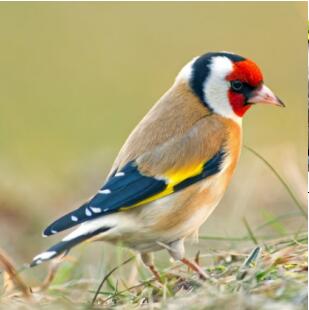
(227, 84)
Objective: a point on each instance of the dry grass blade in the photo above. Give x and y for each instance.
(197, 257)
(107, 276)
(13, 277)
(50, 276)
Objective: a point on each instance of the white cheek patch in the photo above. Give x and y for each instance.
(216, 88)
(186, 72)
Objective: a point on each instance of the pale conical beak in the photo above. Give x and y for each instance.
(265, 95)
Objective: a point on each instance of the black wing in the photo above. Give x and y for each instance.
(125, 188)
(129, 187)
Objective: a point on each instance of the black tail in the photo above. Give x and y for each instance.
(64, 246)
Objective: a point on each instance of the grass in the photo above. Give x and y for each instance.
(272, 275)
(286, 186)
(40, 145)
(261, 272)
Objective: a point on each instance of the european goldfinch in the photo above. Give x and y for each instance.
(175, 166)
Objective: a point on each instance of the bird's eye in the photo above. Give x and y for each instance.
(237, 85)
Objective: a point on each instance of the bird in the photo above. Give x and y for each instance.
(175, 166)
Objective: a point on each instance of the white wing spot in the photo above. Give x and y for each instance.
(105, 210)
(105, 191)
(88, 212)
(119, 174)
(96, 210)
(74, 218)
(53, 231)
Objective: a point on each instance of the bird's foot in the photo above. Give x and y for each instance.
(195, 267)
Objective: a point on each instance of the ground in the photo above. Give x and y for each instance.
(271, 275)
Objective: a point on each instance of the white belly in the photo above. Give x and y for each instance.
(140, 229)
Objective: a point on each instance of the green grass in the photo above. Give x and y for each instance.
(272, 275)
(261, 272)
(280, 178)
(108, 64)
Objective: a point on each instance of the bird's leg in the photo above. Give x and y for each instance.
(177, 251)
(147, 259)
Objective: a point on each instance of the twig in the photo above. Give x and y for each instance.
(13, 275)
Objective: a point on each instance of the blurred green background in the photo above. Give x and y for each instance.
(75, 78)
